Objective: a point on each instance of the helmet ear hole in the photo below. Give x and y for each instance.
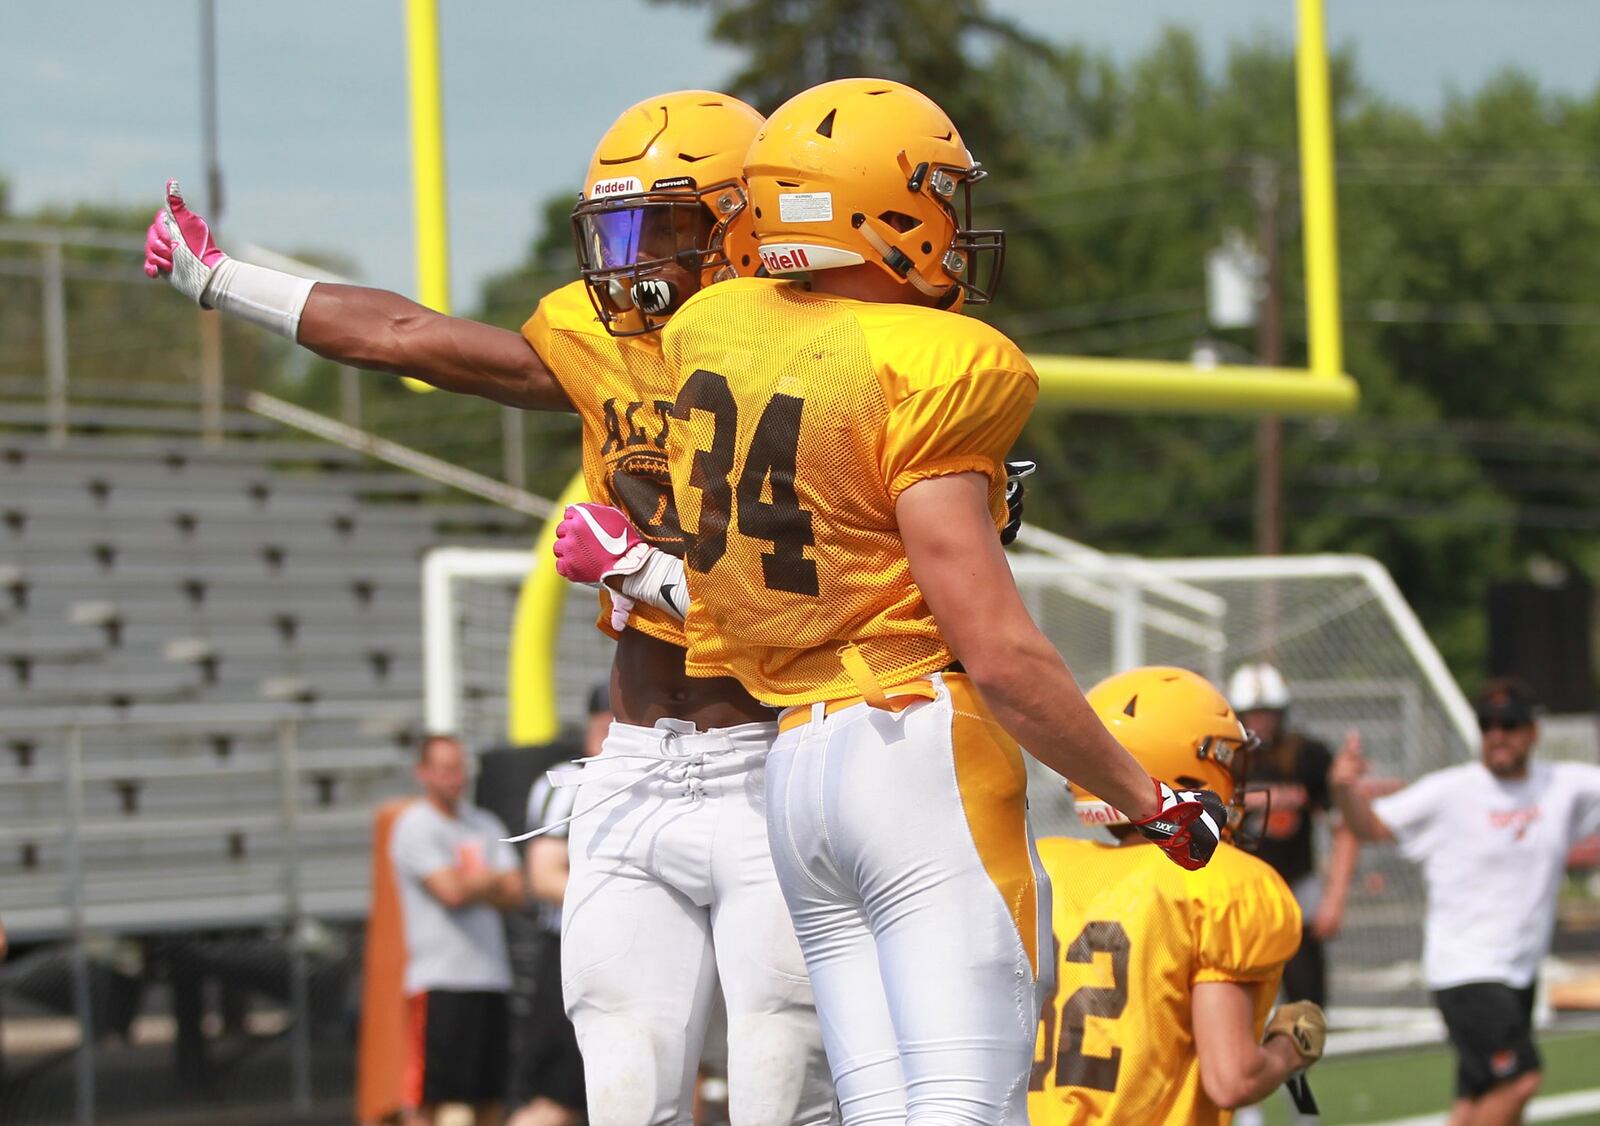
(902, 223)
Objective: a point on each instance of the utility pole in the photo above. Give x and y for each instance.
(210, 322)
(1266, 187)
(208, 108)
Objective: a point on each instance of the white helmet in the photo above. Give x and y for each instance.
(1257, 688)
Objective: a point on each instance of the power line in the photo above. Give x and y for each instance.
(1394, 311)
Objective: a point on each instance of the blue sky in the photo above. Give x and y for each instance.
(100, 97)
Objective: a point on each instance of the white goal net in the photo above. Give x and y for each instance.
(1350, 647)
(1355, 657)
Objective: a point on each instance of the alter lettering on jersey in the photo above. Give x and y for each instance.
(636, 423)
(636, 468)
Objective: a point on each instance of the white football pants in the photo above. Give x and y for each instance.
(671, 890)
(902, 844)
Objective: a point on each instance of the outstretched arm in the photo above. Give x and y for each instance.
(383, 331)
(355, 325)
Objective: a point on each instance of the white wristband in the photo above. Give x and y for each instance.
(660, 583)
(269, 298)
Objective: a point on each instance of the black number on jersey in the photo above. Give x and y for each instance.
(769, 467)
(1073, 1067)
(707, 391)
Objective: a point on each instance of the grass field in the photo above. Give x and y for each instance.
(1378, 1088)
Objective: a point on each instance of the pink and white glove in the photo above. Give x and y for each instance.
(595, 542)
(178, 246)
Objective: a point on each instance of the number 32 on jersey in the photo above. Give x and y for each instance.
(1065, 1063)
(761, 503)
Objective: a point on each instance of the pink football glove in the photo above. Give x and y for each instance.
(178, 247)
(595, 542)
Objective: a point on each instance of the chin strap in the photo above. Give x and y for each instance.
(897, 261)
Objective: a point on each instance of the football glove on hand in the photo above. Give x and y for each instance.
(1188, 826)
(1016, 470)
(595, 542)
(178, 247)
(1306, 1027)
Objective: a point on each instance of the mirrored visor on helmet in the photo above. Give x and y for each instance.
(611, 237)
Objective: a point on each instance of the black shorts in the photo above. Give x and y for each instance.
(456, 1048)
(548, 1064)
(1491, 1028)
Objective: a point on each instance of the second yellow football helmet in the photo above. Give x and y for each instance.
(1180, 728)
(664, 209)
(864, 170)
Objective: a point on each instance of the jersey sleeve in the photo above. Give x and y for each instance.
(564, 310)
(537, 330)
(417, 850)
(964, 425)
(1247, 929)
(1408, 813)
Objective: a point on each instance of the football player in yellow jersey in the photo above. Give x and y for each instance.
(672, 888)
(837, 460)
(1165, 978)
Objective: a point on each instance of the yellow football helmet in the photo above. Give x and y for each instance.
(664, 209)
(866, 170)
(1181, 729)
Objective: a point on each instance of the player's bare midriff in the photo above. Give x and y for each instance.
(648, 682)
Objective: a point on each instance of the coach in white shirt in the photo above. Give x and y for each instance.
(1492, 837)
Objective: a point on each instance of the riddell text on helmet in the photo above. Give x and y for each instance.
(790, 258)
(794, 259)
(1100, 814)
(620, 185)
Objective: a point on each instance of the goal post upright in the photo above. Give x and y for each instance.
(1103, 383)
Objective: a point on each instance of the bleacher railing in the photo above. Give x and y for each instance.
(82, 327)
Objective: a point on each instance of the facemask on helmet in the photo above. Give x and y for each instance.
(664, 210)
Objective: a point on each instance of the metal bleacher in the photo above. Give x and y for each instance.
(210, 669)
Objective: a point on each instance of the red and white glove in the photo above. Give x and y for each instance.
(1188, 826)
(595, 542)
(178, 246)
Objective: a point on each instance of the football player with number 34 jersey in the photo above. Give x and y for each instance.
(1165, 979)
(837, 460)
(671, 886)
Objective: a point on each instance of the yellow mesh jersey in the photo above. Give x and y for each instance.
(800, 418)
(622, 391)
(1134, 934)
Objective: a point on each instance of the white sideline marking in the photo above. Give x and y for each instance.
(1547, 1109)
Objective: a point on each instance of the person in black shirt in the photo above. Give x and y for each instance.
(1294, 769)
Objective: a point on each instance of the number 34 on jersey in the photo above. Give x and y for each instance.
(799, 419)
